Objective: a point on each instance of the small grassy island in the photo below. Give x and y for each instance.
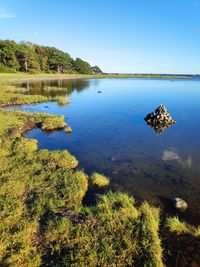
(44, 221)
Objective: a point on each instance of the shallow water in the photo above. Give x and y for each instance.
(110, 135)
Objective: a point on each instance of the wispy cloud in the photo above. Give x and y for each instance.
(4, 14)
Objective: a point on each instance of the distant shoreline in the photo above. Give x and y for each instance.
(18, 77)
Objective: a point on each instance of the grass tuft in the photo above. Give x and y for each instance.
(61, 100)
(99, 180)
(175, 225)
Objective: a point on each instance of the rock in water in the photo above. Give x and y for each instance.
(179, 204)
(160, 119)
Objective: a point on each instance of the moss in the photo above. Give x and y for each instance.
(99, 180)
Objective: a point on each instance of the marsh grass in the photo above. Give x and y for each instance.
(178, 227)
(99, 180)
(61, 100)
(13, 95)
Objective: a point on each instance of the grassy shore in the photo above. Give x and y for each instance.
(17, 77)
(43, 219)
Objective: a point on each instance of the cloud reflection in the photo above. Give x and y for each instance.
(169, 155)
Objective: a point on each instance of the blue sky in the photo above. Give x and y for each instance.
(128, 36)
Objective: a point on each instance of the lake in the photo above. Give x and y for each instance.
(110, 135)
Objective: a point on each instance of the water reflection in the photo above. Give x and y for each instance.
(170, 155)
(57, 87)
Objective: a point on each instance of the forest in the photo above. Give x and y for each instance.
(32, 58)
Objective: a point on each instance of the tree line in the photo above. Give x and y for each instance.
(33, 58)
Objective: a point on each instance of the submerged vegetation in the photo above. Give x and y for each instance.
(44, 221)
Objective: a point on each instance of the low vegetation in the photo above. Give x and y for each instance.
(99, 180)
(61, 100)
(176, 226)
(11, 95)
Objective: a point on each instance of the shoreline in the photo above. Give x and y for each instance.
(20, 77)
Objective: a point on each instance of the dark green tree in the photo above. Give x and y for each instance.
(96, 70)
(59, 61)
(29, 57)
(82, 66)
(7, 54)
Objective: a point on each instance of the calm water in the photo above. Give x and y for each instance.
(110, 135)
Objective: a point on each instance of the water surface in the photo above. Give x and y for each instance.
(110, 135)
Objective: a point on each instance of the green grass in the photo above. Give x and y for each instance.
(12, 95)
(17, 77)
(107, 235)
(178, 227)
(61, 100)
(99, 180)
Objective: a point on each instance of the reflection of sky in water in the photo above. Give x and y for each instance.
(169, 155)
(110, 134)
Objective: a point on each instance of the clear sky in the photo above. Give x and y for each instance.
(128, 36)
